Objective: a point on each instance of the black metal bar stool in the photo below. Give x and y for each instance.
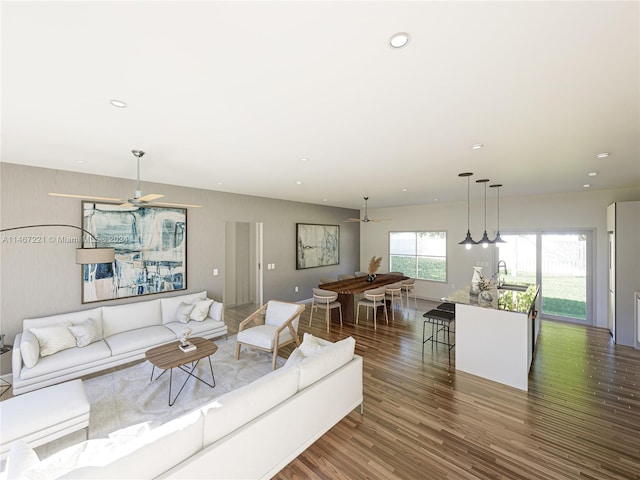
(447, 307)
(440, 320)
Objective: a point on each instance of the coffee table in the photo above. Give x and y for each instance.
(169, 356)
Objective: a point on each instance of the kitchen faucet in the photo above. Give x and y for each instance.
(501, 264)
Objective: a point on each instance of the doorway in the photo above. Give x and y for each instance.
(243, 263)
(560, 262)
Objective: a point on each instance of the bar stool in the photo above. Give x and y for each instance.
(408, 286)
(447, 307)
(440, 320)
(373, 298)
(393, 293)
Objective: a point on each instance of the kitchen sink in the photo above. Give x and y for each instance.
(513, 286)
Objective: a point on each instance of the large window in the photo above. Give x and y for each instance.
(421, 255)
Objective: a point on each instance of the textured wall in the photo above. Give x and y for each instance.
(42, 278)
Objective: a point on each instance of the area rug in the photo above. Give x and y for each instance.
(128, 395)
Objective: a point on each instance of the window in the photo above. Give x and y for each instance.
(557, 261)
(421, 255)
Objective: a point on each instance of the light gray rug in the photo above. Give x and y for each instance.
(128, 396)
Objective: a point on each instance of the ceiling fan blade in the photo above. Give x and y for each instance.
(149, 197)
(379, 219)
(181, 205)
(85, 197)
(353, 220)
(127, 204)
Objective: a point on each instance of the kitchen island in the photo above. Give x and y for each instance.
(496, 339)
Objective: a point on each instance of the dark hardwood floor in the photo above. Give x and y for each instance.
(423, 420)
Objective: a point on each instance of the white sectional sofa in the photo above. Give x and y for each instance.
(110, 335)
(249, 433)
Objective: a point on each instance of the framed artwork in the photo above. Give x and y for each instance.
(150, 248)
(317, 245)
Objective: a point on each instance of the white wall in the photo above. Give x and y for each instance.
(43, 279)
(584, 210)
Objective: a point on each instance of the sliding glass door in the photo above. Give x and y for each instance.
(560, 263)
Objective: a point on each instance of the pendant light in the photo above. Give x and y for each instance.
(498, 240)
(484, 241)
(468, 241)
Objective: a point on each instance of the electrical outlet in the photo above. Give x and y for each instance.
(296, 289)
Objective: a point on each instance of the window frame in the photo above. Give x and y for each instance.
(417, 257)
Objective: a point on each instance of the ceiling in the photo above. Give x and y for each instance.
(231, 96)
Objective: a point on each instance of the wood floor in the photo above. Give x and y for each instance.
(423, 420)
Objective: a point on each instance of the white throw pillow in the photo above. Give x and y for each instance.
(200, 310)
(30, 349)
(215, 311)
(54, 339)
(310, 345)
(183, 311)
(85, 333)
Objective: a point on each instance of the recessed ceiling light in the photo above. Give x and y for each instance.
(324, 200)
(298, 182)
(587, 185)
(399, 40)
(304, 159)
(220, 183)
(118, 103)
(477, 146)
(603, 155)
(435, 199)
(404, 190)
(592, 174)
(80, 161)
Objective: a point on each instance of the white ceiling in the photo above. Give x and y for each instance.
(231, 96)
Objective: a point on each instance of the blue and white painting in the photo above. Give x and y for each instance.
(317, 245)
(150, 251)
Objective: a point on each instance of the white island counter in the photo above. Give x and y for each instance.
(496, 340)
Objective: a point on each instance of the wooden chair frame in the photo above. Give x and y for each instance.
(259, 315)
(324, 300)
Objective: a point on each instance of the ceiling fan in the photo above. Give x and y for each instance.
(366, 215)
(138, 199)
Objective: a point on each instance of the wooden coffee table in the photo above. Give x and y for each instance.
(169, 356)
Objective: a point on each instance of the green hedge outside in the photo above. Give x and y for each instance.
(427, 268)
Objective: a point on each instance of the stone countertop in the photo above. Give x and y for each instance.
(501, 299)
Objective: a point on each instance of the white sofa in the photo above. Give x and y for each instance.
(249, 433)
(115, 335)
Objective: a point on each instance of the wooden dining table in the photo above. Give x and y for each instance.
(348, 289)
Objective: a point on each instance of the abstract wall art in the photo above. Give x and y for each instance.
(317, 245)
(150, 246)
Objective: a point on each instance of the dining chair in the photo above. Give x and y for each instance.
(326, 280)
(326, 300)
(409, 286)
(373, 298)
(345, 276)
(393, 293)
